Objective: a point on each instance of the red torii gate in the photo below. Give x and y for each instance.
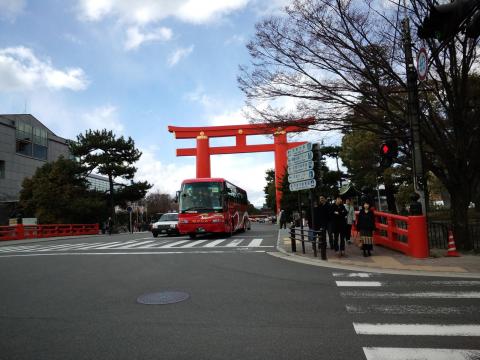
(203, 149)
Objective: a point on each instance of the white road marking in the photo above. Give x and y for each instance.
(375, 353)
(132, 253)
(358, 283)
(59, 247)
(360, 275)
(411, 309)
(155, 244)
(414, 295)
(135, 245)
(417, 329)
(234, 243)
(86, 246)
(193, 243)
(115, 244)
(255, 243)
(214, 243)
(174, 244)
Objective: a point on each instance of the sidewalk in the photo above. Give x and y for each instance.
(384, 260)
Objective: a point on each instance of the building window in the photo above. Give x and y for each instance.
(31, 141)
(2, 169)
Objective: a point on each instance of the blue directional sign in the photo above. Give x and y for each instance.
(299, 167)
(306, 156)
(300, 176)
(303, 185)
(299, 149)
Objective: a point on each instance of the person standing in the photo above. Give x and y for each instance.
(338, 223)
(366, 226)
(110, 225)
(282, 218)
(321, 214)
(350, 220)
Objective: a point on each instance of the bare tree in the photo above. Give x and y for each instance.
(343, 62)
(159, 203)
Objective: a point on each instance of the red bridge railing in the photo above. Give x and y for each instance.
(407, 234)
(18, 232)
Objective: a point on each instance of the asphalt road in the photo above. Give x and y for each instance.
(77, 299)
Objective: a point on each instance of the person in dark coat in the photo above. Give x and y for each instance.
(321, 214)
(110, 225)
(338, 222)
(366, 226)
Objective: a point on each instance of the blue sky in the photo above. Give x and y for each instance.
(135, 66)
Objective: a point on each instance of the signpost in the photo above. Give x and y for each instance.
(129, 209)
(301, 176)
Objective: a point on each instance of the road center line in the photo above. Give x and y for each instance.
(417, 329)
(358, 283)
(376, 353)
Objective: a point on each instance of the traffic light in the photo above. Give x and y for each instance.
(388, 153)
(317, 163)
(444, 21)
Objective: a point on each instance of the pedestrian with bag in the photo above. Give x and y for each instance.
(338, 223)
(366, 227)
(350, 219)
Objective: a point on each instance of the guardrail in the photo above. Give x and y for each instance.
(315, 238)
(407, 234)
(19, 232)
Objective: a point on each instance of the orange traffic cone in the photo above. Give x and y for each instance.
(452, 249)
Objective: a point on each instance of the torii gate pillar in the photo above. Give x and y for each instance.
(203, 150)
(203, 157)
(281, 147)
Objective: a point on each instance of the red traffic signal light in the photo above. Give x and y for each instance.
(385, 149)
(388, 152)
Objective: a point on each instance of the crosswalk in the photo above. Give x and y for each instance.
(389, 311)
(139, 244)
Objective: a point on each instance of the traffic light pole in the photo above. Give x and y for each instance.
(419, 182)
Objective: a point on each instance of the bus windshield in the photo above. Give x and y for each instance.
(201, 196)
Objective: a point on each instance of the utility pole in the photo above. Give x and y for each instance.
(419, 182)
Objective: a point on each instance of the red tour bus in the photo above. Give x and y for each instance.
(211, 205)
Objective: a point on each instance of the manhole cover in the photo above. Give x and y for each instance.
(163, 297)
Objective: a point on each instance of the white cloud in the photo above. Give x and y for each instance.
(10, 9)
(138, 14)
(141, 12)
(96, 9)
(136, 37)
(201, 11)
(179, 54)
(21, 70)
(103, 117)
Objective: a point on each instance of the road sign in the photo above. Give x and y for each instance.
(300, 149)
(306, 156)
(303, 185)
(300, 176)
(304, 166)
(422, 64)
(129, 209)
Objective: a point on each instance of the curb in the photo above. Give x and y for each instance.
(282, 254)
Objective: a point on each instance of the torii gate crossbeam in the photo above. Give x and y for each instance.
(203, 150)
